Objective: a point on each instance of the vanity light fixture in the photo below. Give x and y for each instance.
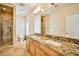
(38, 10)
(22, 4)
(54, 4)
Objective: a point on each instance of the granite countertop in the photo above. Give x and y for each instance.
(65, 48)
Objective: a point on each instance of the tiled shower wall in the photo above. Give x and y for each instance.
(6, 25)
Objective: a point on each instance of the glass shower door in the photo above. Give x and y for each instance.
(6, 25)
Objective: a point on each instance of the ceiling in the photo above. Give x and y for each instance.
(54, 9)
(22, 9)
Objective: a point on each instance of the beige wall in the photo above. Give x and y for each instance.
(37, 24)
(20, 25)
(34, 23)
(59, 19)
(30, 19)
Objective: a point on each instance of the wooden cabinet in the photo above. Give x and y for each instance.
(48, 51)
(39, 52)
(32, 49)
(30, 46)
(37, 49)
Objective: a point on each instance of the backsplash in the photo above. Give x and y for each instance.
(59, 38)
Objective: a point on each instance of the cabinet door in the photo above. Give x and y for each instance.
(48, 51)
(39, 52)
(37, 44)
(28, 41)
(27, 45)
(32, 48)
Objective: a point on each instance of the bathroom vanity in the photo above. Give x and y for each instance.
(39, 48)
(55, 46)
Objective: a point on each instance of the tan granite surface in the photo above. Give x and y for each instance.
(67, 48)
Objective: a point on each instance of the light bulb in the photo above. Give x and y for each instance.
(4, 9)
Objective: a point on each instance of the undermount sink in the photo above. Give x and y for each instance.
(53, 42)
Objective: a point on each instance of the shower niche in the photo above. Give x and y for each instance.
(6, 25)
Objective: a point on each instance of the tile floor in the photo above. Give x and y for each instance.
(19, 50)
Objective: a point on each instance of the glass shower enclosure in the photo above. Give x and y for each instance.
(6, 25)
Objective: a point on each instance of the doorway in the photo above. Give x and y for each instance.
(43, 25)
